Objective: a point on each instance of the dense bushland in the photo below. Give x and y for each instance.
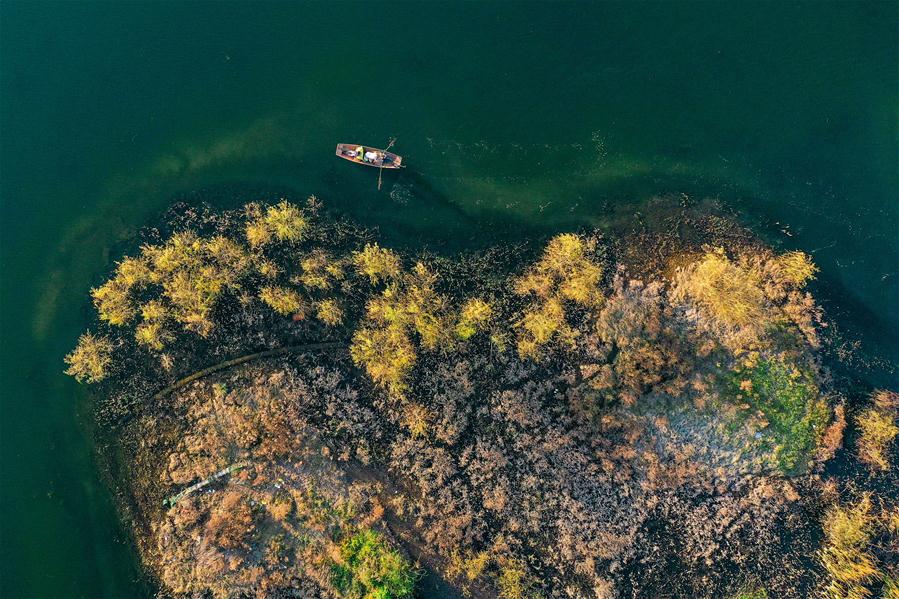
(555, 426)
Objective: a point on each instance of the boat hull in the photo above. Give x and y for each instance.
(356, 153)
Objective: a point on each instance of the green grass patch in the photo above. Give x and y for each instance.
(751, 592)
(372, 569)
(787, 395)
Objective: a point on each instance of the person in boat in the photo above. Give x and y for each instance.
(358, 153)
(371, 156)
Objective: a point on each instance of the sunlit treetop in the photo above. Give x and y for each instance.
(751, 295)
(90, 360)
(566, 270)
(283, 222)
(377, 263)
(473, 317)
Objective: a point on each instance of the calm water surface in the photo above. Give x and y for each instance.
(515, 119)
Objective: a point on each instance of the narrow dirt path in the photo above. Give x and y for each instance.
(242, 359)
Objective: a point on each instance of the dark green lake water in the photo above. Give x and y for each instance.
(514, 119)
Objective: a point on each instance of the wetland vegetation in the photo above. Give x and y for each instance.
(607, 414)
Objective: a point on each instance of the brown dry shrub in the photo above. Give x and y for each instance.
(648, 348)
(231, 522)
(281, 506)
(832, 439)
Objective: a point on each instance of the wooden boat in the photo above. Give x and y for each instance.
(369, 156)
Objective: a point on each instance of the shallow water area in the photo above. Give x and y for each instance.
(513, 124)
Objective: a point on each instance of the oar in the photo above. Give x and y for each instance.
(381, 170)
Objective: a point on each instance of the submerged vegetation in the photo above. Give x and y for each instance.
(540, 426)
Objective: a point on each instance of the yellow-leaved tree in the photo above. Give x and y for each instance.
(878, 425)
(90, 360)
(566, 273)
(378, 264)
(742, 299)
(409, 309)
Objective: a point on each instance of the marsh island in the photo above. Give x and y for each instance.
(290, 408)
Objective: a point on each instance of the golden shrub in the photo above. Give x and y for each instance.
(133, 271)
(172, 266)
(321, 270)
(408, 305)
(878, 428)
(285, 221)
(113, 302)
(329, 312)
(151, 334)
(89, 361)
(192, 294)
(226, 254)
(267, 268)
(282, 222)
(469, 565)
(386, 353)
(387, 307)
(415, 419)
(197, 321)
(181, 251)
(730, 294)
(433, 329)
(541, 324)
(474, 315)
(377, 263)
(795, 268)
(846, 555)
(513, 581)
(257, 233)
(154, 311)
(564, 270)
(427, 309)
(282, 300)
(890, 587)
(891, 519)
(192, 271)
